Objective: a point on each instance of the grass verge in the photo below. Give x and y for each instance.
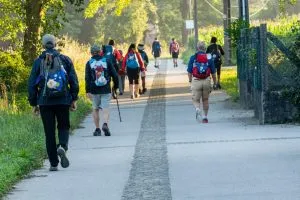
(22, 147)
(229, 82)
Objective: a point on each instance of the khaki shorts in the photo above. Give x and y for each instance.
(201, 88)
(101, 101)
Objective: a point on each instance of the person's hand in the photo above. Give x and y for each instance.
(36, 110)
(121, 72)
(89, 96)
(73, 106)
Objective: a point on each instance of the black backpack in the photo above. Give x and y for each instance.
(216, 55)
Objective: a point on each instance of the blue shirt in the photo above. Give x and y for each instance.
(211, 64)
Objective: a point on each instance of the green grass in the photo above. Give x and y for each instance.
(229, 82)
(22, 147)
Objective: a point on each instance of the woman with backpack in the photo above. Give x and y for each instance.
(133, 64)
(200, 68)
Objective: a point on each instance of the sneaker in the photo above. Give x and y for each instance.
(105, 129)
(198, 114)
(97, 132)
(205, 120)
(121, 93)
(53, 169)
(140, 91)
(64, 162)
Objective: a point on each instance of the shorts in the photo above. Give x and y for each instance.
(101, 101)
(175, 54)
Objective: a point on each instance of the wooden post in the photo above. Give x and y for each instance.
(264, 70)
(227, 41)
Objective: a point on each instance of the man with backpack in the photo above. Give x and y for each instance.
(113, 55)
(217, 52)
(156, 52)
(146, 62)
(200, 68)
(174, 51)
(98, 73)
(53, 91)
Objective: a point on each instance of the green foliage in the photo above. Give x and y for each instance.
(128, 27)
(229, 82)
(13, 72)
(235, 29)
(11, 24)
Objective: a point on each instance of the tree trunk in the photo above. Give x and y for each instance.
(33, 9)
(185, 12)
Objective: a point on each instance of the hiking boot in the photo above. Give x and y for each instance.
(53, 169)
(144, 90)
(198, 115)
(132, 96)
(105, 129)
(205, 120)
(219, 86)
(97, 132)
(140, 91)
(64, 162)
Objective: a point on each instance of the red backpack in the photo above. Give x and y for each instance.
(174, 47)
(200, 66)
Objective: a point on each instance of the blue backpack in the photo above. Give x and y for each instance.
(131, 61)
(100, 71)
(55, 77)
(156, 46)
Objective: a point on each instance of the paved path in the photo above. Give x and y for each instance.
(160, 152)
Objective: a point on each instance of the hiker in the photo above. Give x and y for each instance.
(121, 76)
(217, 52)
(53, 91)
(200, 68)
(156, 52)
(98, 73)
(133, 64)
(112, 54)
(174, 51)
(145, 59)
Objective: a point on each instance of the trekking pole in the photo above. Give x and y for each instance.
(118, 106)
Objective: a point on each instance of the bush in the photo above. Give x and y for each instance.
(13, 72)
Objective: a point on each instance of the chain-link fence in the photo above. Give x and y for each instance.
(266, 68)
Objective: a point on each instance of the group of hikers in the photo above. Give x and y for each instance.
(53, 85)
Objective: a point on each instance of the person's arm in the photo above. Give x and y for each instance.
(190, 67)
(146, 59)
(32, 83)
(141, 63)
(124, 62)
(221, 50)
(88, 78)
(73, 80)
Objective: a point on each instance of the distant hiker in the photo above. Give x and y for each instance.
(156, 52)
(133, 64)
(200, 68)
(174, 51)
(53, 91)
(98, 73)
(112, 54)
(144, 56)
(217, 52)
(121, 75)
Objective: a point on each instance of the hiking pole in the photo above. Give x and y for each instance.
(118, 105)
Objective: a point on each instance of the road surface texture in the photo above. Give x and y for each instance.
(160, 152)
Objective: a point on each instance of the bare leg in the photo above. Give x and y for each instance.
(105, 112)
(96, 118)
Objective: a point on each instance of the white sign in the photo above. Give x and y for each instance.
(189, 24)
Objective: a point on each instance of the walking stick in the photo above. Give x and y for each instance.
(118, 105)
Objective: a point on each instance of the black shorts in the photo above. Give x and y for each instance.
(175, 54)
(133, 75)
